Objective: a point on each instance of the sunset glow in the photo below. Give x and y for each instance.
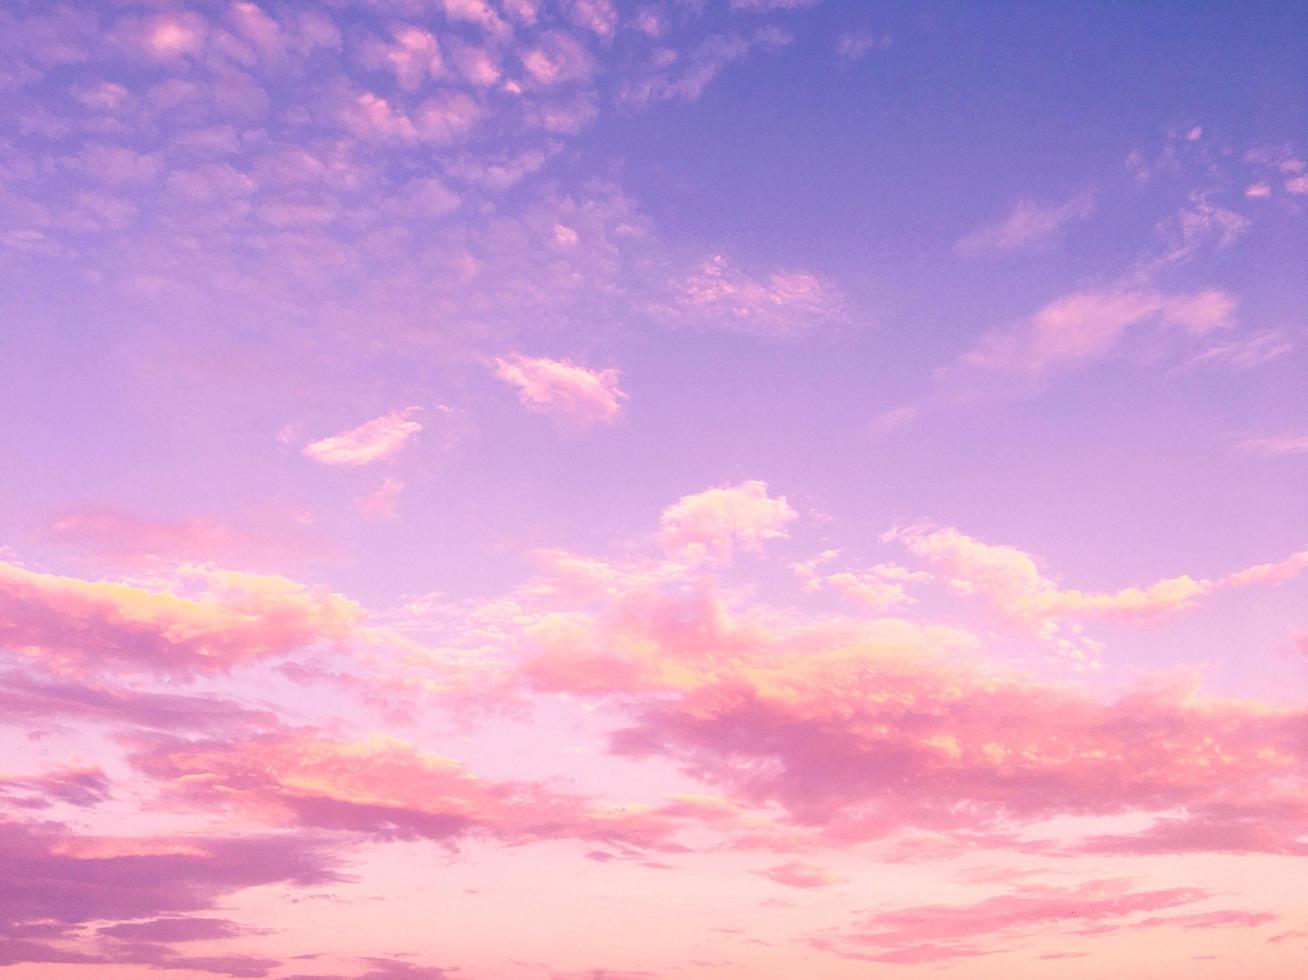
(653, 490)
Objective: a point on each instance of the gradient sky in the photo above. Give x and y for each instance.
(603, 490)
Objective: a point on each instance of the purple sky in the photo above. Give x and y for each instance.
(674, 489)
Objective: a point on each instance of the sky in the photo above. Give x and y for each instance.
(605, 490)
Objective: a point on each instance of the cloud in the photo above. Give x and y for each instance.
(1010, 580)
(871, 729)
(379, 504)
(222, 619)
(1274, 445)
(766, 6)
(671, 75)
(31, 701)
(1027, 225)
(173, 929)
(1086, 326)
(853, 45)
(933, 933)
(125, 537)
(799, 874)
(711, 524)
(375, 441)
(56, 881)
(1243, 353)
(79, 787)
(564, 389)
(386, 789)
(783, 306)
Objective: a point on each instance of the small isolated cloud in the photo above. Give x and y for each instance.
(800, 874)
(853, 45)
(379, 504)
(669, 75)
(711, 524)
(563, 388)
(373, 442)
(1275, 445)
(1242, 353)
(766, 6)
(783, 305)
(1087, 325)
(894, 419)
(1028, 224)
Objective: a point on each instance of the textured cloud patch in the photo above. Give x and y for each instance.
(1087, 326)
(783, 305)
(380, 504)
(375, 441)
(932, 933)
(713, 523)
(386, 789)
(564, 389)
(1029, 224)
(56, 881)
(213, 621)
(1293, 445)
(800, 874)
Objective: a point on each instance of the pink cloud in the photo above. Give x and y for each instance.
(1027, 225)
(765, 6)
(564, 389)
(385, 788)
(1087, 325)
(799, 874)
(56, 881)
(931, 933)
(413, 55)
(863, 730)
(1275, 446)
(125, 537)
(557, 59)
(672, 75)
(375, 441)
(34, 702)
(76, 786)
(783, 306)
(713, 523)
(222, 619)
(379, 504)
(1270, 573)
(1011, 582)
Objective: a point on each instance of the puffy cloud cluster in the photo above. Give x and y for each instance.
(714, 522)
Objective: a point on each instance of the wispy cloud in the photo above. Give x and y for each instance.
(1029, 224)
(374, 441)
(782, 305)
(1289, 445)
(1085, 326)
